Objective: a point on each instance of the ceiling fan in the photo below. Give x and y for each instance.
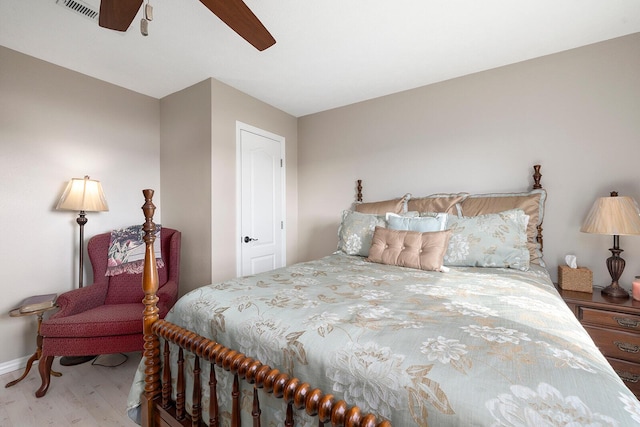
(118, 15)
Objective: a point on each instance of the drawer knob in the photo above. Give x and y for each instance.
(625, 322)
(628, 377)
(627, 347)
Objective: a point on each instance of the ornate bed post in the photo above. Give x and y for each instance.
(536, 177)
(536, 185)
(151, 351)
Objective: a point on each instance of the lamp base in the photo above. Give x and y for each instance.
(75, 360)
(615, 265)
(615, 291)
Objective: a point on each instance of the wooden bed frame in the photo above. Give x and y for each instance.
(158, 408)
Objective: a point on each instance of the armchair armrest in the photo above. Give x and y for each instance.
(167, 296)
(79, 300)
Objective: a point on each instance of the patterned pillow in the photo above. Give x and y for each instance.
(356, 232)
(434, 222)
(492, 240)
(531, 202)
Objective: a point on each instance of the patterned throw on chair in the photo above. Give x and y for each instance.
(126, 250)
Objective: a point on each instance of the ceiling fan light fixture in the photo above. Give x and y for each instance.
(144, 27)
(148, 16)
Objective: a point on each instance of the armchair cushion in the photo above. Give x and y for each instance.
(102, 321)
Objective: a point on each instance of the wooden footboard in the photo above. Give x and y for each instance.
(158, 408)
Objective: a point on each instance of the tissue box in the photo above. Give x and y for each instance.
(575, 279)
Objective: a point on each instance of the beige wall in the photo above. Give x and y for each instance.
(56, 124)
(228, 106)
(199, 170)
(577, 113)
(185, 174)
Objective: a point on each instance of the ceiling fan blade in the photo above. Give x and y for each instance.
(240, 19)
(118, 14)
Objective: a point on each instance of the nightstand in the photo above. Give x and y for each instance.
(614, 325)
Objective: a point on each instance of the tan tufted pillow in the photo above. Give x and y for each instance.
(409, 248)
(396, 206)
(444, 203)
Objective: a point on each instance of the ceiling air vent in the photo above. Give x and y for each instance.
(79, 7)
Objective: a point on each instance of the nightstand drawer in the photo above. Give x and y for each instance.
(621, 345)
(609, 318)
(629, 372)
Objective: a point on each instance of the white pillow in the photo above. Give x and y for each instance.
(435, 222)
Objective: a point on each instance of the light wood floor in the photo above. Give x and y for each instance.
(85, 395)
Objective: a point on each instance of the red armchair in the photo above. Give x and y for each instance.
(106, 317)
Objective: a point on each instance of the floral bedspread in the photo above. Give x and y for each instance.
(470, 347)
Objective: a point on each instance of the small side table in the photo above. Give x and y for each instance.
(36, 356)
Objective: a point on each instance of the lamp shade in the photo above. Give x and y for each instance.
(615, 215)
(83, 194)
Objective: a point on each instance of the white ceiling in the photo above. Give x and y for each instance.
(328, 53)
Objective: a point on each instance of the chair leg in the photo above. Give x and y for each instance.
(44, 367)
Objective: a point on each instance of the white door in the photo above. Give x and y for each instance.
(261, 235)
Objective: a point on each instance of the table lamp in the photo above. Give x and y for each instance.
(83, 195)
(613, 216)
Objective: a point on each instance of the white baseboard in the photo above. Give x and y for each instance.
(14, 365)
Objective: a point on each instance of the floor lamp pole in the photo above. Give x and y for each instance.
(81, 195)
(77, 360)
(82, 220)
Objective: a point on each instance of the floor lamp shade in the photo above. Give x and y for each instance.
(83, 195)
(614, 216)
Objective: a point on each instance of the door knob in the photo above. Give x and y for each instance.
(248, 239)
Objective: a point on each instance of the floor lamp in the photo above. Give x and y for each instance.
(81, 195)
